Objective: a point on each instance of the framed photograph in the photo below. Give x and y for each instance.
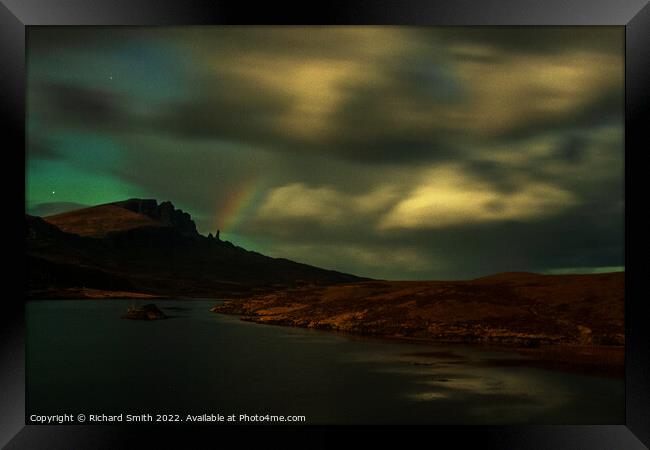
(280, 223)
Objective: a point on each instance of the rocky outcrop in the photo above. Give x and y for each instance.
(524, 310)
(165, 213)
(138, 245)
(146, 312)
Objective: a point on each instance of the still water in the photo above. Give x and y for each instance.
(82, 358)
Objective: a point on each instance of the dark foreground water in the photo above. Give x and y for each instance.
(82, 358)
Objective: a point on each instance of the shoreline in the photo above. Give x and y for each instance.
(90, 294)
(569, 322)
(593, 360)
(596, 360)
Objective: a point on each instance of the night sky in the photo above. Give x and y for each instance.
(389, 152)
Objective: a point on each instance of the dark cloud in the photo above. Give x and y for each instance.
(247, 117)
(369, 123)
(498, 175)
(41, 148)
(573, 150)
(537, 40)
(581, 238)
(61, 41)
(607, 107)
(357, 119)
(79, 107)
(364, 130)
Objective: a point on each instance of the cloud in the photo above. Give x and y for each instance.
(523, 91)
(323, 205)
(41, 148)
(449, 197)
(386, 151)
(363, 260)
(78, 106)
(296, 201)
(377, 95)
(528, 40)
(443, 196)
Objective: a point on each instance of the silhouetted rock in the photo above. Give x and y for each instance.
(165, 213)
(37, 227)
(148, 207)
(141, 246)
(145, 312)
(524, 310)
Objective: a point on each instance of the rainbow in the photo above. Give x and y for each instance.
(239, 206)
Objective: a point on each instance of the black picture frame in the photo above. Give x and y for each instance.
(16, 15)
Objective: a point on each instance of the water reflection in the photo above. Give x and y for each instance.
(202, 361)
(496, 394)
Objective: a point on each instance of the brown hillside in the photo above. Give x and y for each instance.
(146, 247)
(97, 221)
(518, 309)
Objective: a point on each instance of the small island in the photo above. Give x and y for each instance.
(145, 312)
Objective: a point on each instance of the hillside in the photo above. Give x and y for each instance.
(584, 313)
(140, 246)
(99, 221)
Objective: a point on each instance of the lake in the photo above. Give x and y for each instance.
(82, 358)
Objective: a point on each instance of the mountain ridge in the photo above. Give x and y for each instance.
(98, 220)
(141, 246)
